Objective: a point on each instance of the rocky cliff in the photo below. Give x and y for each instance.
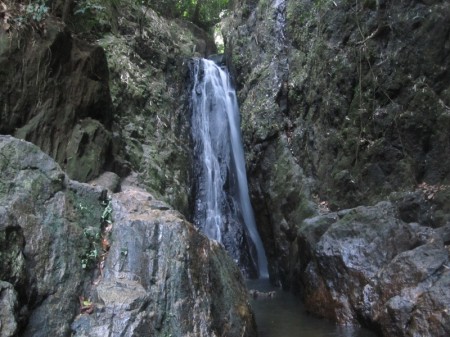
(55, 93)
(76, 259)
(345, 117)
(75, 262)
(148, 67)
(99, 99)
(345, 104)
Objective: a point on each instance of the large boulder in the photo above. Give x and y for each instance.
(367, 266)
(158, 274)
(43, 216)
(162, 277)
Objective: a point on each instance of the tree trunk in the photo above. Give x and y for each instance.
(196, 16)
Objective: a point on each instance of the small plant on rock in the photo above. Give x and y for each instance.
(97, 245)
(90, 257)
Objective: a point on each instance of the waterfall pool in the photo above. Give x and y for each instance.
(285, 316)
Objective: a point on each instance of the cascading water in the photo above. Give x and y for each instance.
(222, 203)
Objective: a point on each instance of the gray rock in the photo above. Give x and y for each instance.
(42, 230)
(65, 107)
(8, 310)
(157, 275)
(107, 180)
(164, 277)
(369, 267)
(353, 93)
(345, 104)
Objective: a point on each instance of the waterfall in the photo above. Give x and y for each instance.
(222, 204)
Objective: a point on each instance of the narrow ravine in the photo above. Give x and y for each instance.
(223, 210)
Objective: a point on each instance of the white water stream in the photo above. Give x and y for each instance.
(219, 150)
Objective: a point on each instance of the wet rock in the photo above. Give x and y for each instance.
(360, 115)
(367, 266)
(261, 294)
(163, 277)
(8, 310)
(280, 196)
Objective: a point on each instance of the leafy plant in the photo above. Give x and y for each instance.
(107, 212)
(98, 244)
(204, 13)
(91, 255)
(93, 15)
(34, 13)
(37, 11)
(88, 6)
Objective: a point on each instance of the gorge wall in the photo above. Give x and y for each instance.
(109, 98)
(346, 104)
(345, 118)
(108, 257)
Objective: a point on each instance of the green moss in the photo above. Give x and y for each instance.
(12, 262)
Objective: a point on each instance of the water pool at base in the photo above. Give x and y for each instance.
(285, 316)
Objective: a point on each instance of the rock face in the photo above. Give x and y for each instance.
(157, 275)
(345, 104)
(43, 220)
(351, 98)
(164, 278)
(366, 264)
(55, 93)
(148, 80)
(117, 105)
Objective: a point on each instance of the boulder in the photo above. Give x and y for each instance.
(163, 277)
(61, 257)
(367, 266)
(43, 218)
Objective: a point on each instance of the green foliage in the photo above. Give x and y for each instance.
(37, 11)
(88, 6)
(96, 243)
(204, 13)
(90, 257)
(321, 4)
(94, 15)
(33, 13)
(107, 212)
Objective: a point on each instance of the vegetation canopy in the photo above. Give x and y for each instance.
(99, 15)
(204, 13)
